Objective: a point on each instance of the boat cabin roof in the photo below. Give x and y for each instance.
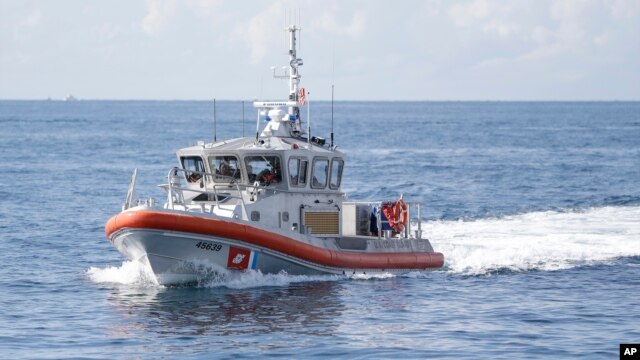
(248, 144)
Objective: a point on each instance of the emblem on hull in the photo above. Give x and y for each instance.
(238, 258)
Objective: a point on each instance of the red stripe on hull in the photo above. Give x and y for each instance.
(273, 241)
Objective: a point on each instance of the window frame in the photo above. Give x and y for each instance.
(299, 160)
(246, 163)
(215, 177)
(187, 172)
(340, 173)
(313, 172)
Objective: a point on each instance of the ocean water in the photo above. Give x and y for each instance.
(536, 207)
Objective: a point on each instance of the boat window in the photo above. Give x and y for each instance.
(298, 172)
(226, 168)
(194, 166)
(264, 168)
(336, 173)
(320, 173)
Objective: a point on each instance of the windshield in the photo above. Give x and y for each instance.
(320, 172)
(226, 168)
(192, 163)
(265, 169)
(336, 173)
(298, 172)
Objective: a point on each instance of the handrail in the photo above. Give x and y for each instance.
(174, 186)
(128, 202)
(407, 230)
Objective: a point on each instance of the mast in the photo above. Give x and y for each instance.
(285, 122)
(291, 73)
(294, 62)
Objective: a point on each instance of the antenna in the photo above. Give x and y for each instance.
(300, 24)
(214, 121)
(308, 118)
(242, 118)
(258, 126)
(332, 115)
(333, 75)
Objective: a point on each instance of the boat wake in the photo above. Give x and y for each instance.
(544, 241)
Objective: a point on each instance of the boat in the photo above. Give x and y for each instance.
(271, 203)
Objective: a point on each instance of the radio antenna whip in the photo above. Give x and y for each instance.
(333, 79)
(214, 121)
(308, 118)
(242, 118)
(332, 115)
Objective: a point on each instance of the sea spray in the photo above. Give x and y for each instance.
(545, 241)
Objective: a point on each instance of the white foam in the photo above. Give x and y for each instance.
(139, 274)
(129, 273)
(252, 278)
(547, 240)
(376, 276)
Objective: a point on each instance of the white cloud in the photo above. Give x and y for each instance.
(159, 12)
(431, 8)
(541, 35)
(33, 19)
(205, 8)
(260, 30)
(354, 29)
(494, 18)
(571, 16)
(466, 14)
(107, 31)
(500, 28)
(571, 30)
(601, 40)
(493, 63)
(624, 9)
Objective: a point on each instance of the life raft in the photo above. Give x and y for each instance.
(396, 214)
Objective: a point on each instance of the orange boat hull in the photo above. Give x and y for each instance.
(261, 240)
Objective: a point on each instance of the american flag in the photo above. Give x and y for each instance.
(302, 96)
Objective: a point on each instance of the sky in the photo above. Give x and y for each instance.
(370, 50)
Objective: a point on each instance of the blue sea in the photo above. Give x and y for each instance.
(535, 205)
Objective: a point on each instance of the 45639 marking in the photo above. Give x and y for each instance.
(209, 246)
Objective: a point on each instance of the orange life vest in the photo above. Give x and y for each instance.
(396, 214)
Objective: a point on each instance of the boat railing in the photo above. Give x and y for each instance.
(130, 200)
(175, 190)
(412, 218)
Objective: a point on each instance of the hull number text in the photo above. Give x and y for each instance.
(209, 246)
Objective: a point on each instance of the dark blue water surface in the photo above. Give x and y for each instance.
(536, 207)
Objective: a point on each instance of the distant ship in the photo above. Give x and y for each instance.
(70, 98)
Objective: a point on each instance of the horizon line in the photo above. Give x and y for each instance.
(329, 100)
